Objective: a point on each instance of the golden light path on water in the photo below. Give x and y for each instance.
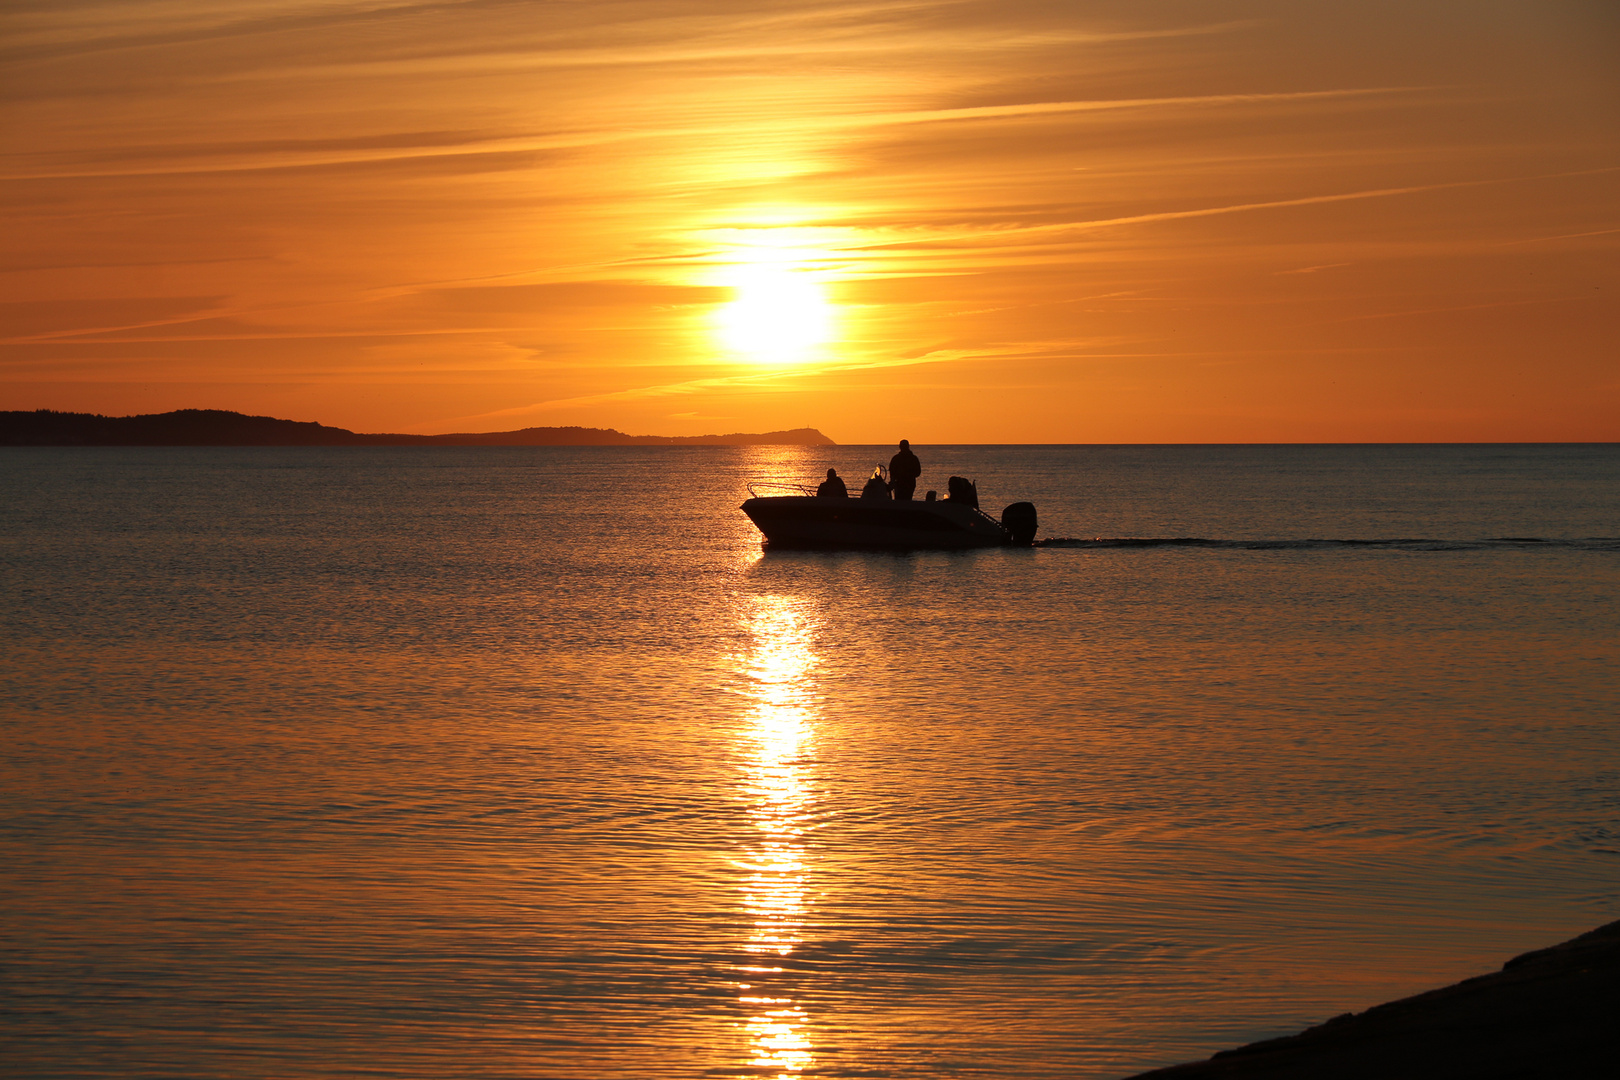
(780, 667)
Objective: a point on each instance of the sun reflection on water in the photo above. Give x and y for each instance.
(780, 667)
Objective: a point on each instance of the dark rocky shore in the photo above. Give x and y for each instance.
(1553, 1013)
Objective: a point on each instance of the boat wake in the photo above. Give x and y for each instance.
(1591, 543)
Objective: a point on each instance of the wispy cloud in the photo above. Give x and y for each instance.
(772, 379)
(281, 154)
(1316, 269)
(1561, 236)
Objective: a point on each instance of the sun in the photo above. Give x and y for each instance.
(779, 313)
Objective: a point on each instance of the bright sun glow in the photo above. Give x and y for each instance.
(780, 313)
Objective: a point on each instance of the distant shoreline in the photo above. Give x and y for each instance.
(1545, 1013)
(218, 427)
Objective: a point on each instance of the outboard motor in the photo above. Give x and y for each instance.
(1020, 523)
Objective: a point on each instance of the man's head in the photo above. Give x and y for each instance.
(905, 445)
(831, 473)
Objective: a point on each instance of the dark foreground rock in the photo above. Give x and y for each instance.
(1552, 1013)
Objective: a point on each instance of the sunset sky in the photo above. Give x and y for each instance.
(974, 221)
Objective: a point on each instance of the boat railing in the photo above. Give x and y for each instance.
(764, 489)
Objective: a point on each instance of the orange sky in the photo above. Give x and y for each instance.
(974, 221)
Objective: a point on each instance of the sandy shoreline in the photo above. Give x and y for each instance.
(1548, 1013)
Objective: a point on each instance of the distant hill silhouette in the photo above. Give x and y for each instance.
(216, 427)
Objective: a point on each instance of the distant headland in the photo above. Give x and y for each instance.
(217, 427)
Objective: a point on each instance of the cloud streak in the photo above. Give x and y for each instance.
(280, 154)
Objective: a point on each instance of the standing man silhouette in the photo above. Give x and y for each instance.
(904, 468)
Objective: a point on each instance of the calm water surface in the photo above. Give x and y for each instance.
(517, 762)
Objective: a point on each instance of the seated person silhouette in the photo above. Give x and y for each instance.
(833, 485)
(875, 487)
(962, 490)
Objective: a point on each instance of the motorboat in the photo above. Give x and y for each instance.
(792, 515)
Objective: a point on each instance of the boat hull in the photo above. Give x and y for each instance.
(811, 521)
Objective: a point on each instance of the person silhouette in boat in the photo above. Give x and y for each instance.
(833, 485)
(876, 487)
(904, 468)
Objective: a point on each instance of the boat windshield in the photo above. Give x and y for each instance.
(764, 489)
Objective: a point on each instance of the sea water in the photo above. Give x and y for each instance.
(529, 762)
